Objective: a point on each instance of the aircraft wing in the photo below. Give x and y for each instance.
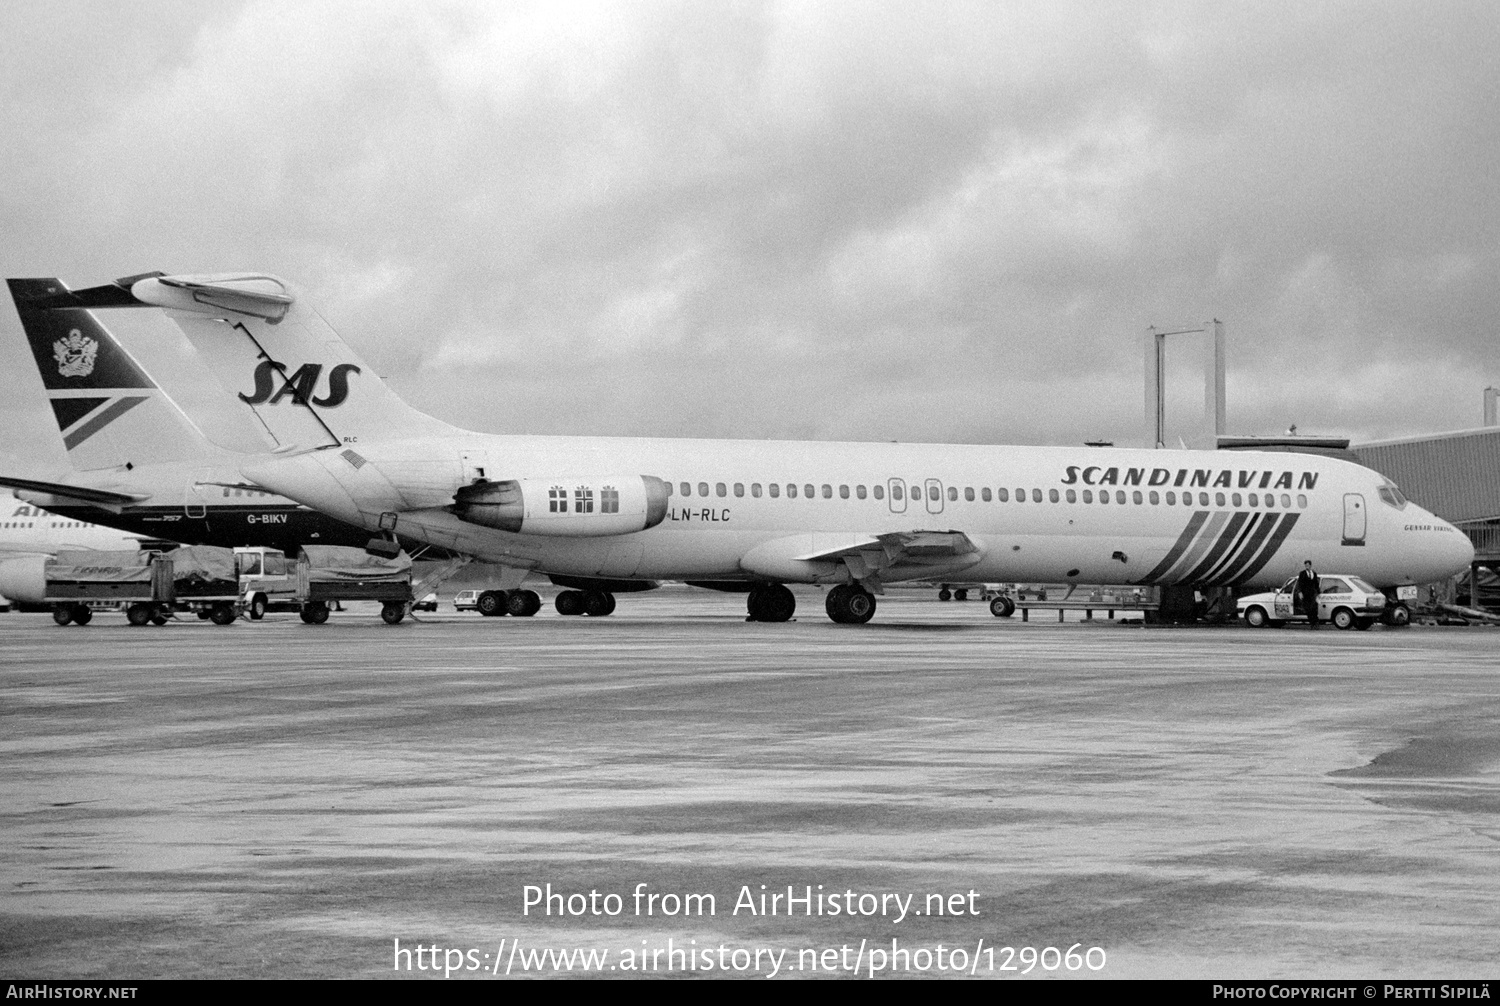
(902, 546)
(82, 493)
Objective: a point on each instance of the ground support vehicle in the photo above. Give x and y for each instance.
(152, 586)
(321, 576)
(1347, 601)
(1075, 597)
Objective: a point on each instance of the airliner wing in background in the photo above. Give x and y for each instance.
(103, 497)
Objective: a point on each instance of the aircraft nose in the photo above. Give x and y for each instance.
(1460, 548)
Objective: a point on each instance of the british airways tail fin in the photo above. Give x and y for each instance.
(280, 359)
(110, 413)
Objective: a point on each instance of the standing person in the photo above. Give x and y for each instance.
(1306, 593)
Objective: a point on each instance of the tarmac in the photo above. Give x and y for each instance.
(275, 799)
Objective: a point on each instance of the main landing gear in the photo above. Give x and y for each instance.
(597, 603)
(850, 604)
(519, 603)
(770, 602)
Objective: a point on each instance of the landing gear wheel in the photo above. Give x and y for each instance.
(961, 594)
(315, 613)
(82, 615)
(138, 613)
(523, 603)
(945, 594)
(1342, 618)
(1002, 607)
(492, 603)
(1398, 615)
(392, 612)
(771, 603)
(598, 603)
(1256, 618)
(569, 602)
(850, 605)
(222, 613)
(62, 614)
(257, 607)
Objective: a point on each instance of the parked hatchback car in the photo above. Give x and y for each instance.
(1347, 601)
(467, 600)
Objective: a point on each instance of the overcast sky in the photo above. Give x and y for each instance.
(825, 220)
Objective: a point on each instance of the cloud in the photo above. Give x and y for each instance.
(821, 219)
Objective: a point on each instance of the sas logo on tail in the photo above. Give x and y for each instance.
(272, 384)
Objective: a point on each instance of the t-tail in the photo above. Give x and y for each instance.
(279, 358)
(110, 413)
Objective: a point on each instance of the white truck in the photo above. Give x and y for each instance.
(320, 576)
(1346, 601)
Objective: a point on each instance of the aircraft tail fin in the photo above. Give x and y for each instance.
(109, 412)
(278, 356)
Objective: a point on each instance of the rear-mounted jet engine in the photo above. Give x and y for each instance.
(572, 507)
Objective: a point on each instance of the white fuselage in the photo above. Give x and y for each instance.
(1247, 519)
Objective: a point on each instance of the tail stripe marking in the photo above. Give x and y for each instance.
(101, 419)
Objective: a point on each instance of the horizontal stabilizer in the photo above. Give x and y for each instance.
(81, 493)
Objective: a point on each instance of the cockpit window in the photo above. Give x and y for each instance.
(1391, 496)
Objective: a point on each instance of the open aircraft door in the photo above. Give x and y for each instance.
(1354, 519)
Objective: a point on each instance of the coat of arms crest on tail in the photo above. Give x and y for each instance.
(75, 354)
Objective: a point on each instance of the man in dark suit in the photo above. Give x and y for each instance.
(1306, 593)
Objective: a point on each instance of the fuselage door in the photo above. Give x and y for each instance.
(897, 493)
(934, 496)
(195, 496)
(1354, 519)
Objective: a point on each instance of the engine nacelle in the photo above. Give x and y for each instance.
(24, 579)
(572, 507)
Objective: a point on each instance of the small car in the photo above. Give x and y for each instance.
(1346, 601)
(467, 600)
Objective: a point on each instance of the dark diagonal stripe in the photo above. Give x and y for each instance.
(1199, 548)
(1263, 526)
(1178, 547)
(102, 419)
(1288, 521)
(1232, 556)
(1220, 545)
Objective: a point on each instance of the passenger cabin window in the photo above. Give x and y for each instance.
(1072, 496)
(895, 491)
(843, 492)
(755, 489)
(968, 494)
(721, 490)
(984, 494)
(791, 490)
(1003, 495)
(808, 490)
(702, 488)
(739, 489)
(557, 500)
(775, 488)
(827, 491)
(687, 489)
(859, 492)
(879, 492)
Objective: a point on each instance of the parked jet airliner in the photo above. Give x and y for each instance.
(611, 514)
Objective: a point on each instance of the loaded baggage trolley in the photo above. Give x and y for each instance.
(151, 586)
